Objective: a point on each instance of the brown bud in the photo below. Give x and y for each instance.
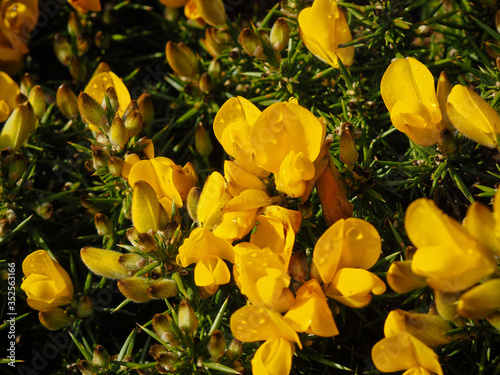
(182, 60)
(202, 141)
(90, 110)
(118, 134)
(103, 225)
(280, 33)
(163, 289)
(77, 68)
(133, 123)
(26, 84)
(135, 288)
(74, 24)
(67, 101)
(251, 43)
(348, 152)
(63, 50)
(115, 166)
(146, 107)
(216, 345)
(187, 317)
(85, 307)
(101, 357)
(45, 210)
(54, 318)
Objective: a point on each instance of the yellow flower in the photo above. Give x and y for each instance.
(17, 19)
(401, 278)
(310, 312)
(45, 282)
(274, 357)
(212, 198)
(8, 93)
(286, 138)
(232, 126)
(408, 92)
(262, 277)
(83, 6)
(352, 243)
(480, 301)
(323, 27)
(404, 352)
(18, 127)
(171, 182)
(210, 11)
(447, 256)
(238, 179)
(206, 250)
(473, 116)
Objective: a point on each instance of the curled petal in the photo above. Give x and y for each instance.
(401, 278)
(274, 357)
(211, 271)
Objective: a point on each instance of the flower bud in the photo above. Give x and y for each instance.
(446, 304)
(212, 11)
(26, 84)
(133, 123)
(16, 167)
(74, 25)
(216, 345)
(205, 83)
(234, 350)
(85, 307)
(18, 127)
(202, 141)
(45, 210)
(90, 110)
(102, 39)
(166, 362)
(146, 242)
(135, 288)
(87, 368)
(298, 267)
(182, 60)
(104, 263)
(280, 33)
(132, 262)
(214, 69)
(63, 50)
(111, 98)
(131, 107)
(147, 109)
(425, 31)
(187, 317)
(163, 289)
(163, 325)
(77, 68)
(67, 101)
(103, 225)
(54, 318)
(251, 43)
(83, 42)
(118, 134)
(99, 156)
(101, 357)
(115, 166)
(145, 208)
(37, 100)
(214, 41)
(348, 152)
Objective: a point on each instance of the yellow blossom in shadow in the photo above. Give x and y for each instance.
(310, 312)
(262, 277)
(45, 282)
(323, 27)
(447, 256)
(405, 352)
(408, 92)
(9, 90)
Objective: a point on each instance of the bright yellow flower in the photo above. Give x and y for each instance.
(349, 243)
(480, 301)
(171, 182)
(261, 276)
(9, 90)
(146, 210)
(45, 282)
(447, 256)
(323, 27)
(238, 179)
(404, 352)
(206, 250)
(83, 6)
(258, 323)
(310, 312)
(408, 92)
(286, 138)
(232, 126)
(473, 116)
(274, 357)
(17, 19)
(212, 198)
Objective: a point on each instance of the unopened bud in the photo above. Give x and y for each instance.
(74, 25)
(112, 99)
(83, 41)
(90, 110)
(162, 289)
(216, 345)
(115, 166)
(54, 318)
(348, 152)
(45, 210)
(182, 60)
(18, 127)
(234, 350)
(87, 368)
(202, 141)
(131, 107)
(103, 225)
(212, 11)
(214, 69)
(251, 43)
(85, 307)
(99, 156)
(280, 33)
(104, 262)
(425, 31)
(205, 83)
(166, 362)
(67, 101)
(146, 107)
(135, 288)
(187, 317)
(63, 50)
(163, 325)
(37, 100)
(26, 84)
(299, 268)
(16, 167)
(133, 123)
(118, 134)
(192, 202)
(102, 39)
(77, 68)
(214, 44)
(146, 242)
(101, 357)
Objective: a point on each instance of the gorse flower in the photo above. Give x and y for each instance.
(9, 90)
(46, 283)
(408, 92)
(323, 27)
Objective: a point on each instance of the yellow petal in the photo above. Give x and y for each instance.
(128, 163)
(203, 244)
(294, 171)
(323, 27)
(248, 200)
(143, 170)
(481, 224)
(145, 207)
(403, 351)
(240, 178)
(274, 357)
(213, 197)
(97, 86)
(9, 90)
(480, 301)
(473, 116)
(401, 278)
(235, 225)
(211, 271)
